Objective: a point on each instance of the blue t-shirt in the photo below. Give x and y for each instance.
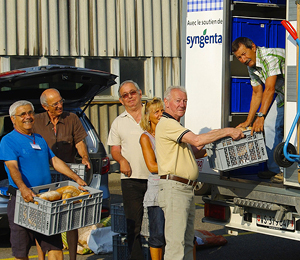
(33, 163)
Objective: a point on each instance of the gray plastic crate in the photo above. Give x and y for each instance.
(118, 220)
(120, 248)
(55, 217)
(79, 169)
(227, 154)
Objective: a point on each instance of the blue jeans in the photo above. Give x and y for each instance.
(133, 196)
(156, 227)
(273, 128)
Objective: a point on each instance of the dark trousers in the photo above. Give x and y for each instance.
(156, 227)
(133, 191)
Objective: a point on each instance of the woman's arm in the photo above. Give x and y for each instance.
(148, 153)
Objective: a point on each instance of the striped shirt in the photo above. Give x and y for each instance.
(269, 62)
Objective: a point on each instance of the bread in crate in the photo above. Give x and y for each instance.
(54, 217)
(63, 193)
(227, 154)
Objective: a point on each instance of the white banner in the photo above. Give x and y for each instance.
(204, 27)
(204, 37)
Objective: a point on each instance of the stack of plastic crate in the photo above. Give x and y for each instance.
(79, 169)
(118, 225)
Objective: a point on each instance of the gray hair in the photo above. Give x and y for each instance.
(14, 106)
(43, 97)
(167, 94)
(128, 81)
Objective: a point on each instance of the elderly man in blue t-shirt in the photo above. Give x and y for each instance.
(26, 157)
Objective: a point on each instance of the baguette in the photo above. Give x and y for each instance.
(81, 194)
(50, 195)
(69, 189)
(66, 195)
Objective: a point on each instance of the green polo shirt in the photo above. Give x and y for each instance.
(174, 156)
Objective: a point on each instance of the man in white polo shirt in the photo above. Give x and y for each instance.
(124, 138)
(177, 148)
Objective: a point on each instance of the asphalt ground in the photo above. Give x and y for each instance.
(116, 197)
(245, 246)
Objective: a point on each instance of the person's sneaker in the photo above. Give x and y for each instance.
(278, 178)
(266, 175)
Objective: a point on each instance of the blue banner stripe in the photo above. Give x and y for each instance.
(204, 5)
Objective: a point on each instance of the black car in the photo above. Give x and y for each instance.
(77, 86)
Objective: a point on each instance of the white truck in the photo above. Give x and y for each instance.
(239, 200)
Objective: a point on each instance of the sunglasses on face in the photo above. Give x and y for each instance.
(131, 93)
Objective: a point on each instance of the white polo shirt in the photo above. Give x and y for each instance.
(126, 132)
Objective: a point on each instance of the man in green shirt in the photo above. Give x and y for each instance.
(266, 70)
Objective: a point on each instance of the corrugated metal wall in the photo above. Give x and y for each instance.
(102, 116)
(113, 28)
(97, 28)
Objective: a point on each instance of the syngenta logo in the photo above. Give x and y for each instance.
(203, 39)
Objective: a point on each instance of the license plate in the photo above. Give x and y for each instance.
(270, 222)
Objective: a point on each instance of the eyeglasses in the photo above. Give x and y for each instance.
(131, 93)
(24, 114)
(60, 102)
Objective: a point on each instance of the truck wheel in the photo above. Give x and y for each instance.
(279, 156)
(205, 189)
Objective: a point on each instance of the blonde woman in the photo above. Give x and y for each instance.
(152, 112)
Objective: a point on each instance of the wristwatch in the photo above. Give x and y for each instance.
(260, 114)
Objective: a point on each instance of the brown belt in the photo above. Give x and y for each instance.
(179, 179)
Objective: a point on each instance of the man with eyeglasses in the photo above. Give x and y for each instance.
(266, 68)
(124, 138)
(26, 156)
(65, 135)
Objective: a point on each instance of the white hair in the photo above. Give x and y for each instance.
(167, 93)
(14, 106)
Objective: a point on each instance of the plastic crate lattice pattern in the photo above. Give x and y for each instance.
(55, 217)
(79, 169)
(227, 154)
(118, 220)
(121, 251)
